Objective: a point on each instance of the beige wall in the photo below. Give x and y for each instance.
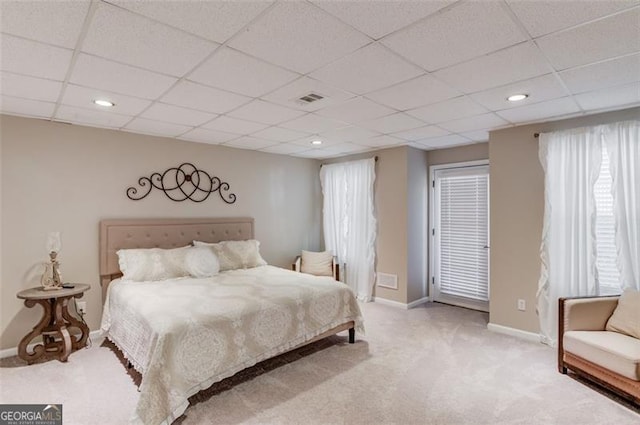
(417, 218)
(517, 208)
(62, 177)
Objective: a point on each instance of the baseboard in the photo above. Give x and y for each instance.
(529, 336)
(398, 304)
(13, 351)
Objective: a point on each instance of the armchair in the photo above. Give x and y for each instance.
(335, 267)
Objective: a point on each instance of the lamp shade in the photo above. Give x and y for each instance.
(53, 242)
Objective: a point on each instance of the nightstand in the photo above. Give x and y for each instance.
(54, 326)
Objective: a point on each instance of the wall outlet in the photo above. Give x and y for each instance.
(81, 306)
(522, 305)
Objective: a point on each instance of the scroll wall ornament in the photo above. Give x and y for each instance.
(181, 183)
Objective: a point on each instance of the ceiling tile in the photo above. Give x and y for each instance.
(382, 141)
(129, 38)
(32, 108)
(177, 115)
(607, 38)
(35, 59)
(545, 16)
(539, 89)
(158, 128)
(298, 36)
(214, 20)
(448, 110)
(204, 135)
(445, 141)
(342, 148)
(265, 112)
(421, 133)
(370, 68)
(83, 97)
(413, 93)
(196, 96)
(249, 143)
(627, 95)
(380, 17)
(513, 64)
(289, 94)
(311, 153)
(307, 142)
(285, 149)
(477, 136)
(234, 71)
(348, 134)
(392, 123)
(278, 134)
(455, 35)
(91, 71)
(539, 111)
(234, 125)
(353, 111)
(29, 87)
(312, 123)
(57, 23)
(614, 72)
(479, 122)
(91, 117)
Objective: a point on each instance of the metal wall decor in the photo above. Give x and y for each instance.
(181, 183)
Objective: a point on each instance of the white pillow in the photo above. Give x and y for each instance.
(141, 265)
(317, 263)
(234, 255)
(200, 261)
(626, 317)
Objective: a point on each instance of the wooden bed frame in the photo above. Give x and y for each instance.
(118, 234)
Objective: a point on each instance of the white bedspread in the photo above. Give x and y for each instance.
(183, 335)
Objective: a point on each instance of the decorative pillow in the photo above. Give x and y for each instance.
(626, 317)
(141, 265)
(200, 261)
(234, 255)
(317, 263)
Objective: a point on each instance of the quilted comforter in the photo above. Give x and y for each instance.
(183, 335)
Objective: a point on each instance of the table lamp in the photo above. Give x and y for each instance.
(51, 279)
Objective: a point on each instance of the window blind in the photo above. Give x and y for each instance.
(608, 274)
(463, 236)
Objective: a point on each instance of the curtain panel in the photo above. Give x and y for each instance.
(349, 221)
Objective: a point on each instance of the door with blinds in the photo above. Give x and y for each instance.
(460, 236)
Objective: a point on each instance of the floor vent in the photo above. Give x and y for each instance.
(387, 280)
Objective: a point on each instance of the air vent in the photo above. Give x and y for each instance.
(387, 280)
(309, 98)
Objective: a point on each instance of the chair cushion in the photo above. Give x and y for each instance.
(317, 263)
(611, 350)
(626, 317)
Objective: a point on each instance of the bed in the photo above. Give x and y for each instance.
(182, 335)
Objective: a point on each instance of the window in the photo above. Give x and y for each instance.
(608, 273)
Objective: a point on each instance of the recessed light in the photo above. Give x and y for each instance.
(102, 102)
(517, 97)
(316, 142)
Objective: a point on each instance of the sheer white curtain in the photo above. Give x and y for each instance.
(623, 145)
(571, 161)
(349, 220)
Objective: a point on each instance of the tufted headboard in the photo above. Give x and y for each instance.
(162, 233)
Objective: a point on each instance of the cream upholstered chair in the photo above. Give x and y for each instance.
(317, 263)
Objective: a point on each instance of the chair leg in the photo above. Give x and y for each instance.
(352, 336)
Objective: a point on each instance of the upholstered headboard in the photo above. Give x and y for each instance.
(162, 233)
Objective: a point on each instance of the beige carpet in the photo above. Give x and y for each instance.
(430, 365)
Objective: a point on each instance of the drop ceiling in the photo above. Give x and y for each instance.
(428, 74)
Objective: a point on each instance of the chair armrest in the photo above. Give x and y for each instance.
(296, 265)
(582, 314)
(586, 313)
